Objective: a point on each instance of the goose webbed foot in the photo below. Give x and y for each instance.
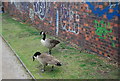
(42, 70)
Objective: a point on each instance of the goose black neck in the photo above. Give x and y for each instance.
(44, 36)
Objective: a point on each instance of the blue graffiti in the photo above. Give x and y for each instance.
(99, 12)
(22, 6)
(25, 6)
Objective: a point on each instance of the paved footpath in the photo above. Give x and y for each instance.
(11, 67)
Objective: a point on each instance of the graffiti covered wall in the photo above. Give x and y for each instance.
(90, 25)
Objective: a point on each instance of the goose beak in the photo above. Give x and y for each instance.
(33, 58)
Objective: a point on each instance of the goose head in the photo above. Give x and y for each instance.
(42, 33)
(36, 55)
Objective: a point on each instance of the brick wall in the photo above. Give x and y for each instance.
(91, 25)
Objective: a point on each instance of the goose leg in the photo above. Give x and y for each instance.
(52, 68)
(43, 70)
(38, 66)
(49, 51)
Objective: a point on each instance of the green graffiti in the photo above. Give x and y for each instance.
(103, 29)
(113, 44)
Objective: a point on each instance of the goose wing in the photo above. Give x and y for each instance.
(46, 57)
(54, 41)
(49, 59)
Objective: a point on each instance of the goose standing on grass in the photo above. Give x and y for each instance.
(47, 42)
(46, 59)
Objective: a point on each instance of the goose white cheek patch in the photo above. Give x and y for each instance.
(35, 57)
(42, 32)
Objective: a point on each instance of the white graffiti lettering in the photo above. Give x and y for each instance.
(70, 20)
(41, 8)
(31, 14)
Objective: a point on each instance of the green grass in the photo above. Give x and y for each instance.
(25, 40)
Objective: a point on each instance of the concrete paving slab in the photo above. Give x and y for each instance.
(11, 67)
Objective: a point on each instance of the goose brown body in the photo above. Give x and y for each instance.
(46, 59)
(47, 42)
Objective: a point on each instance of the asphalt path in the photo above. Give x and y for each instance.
(11, 66)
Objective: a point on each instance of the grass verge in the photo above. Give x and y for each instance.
(25, 40)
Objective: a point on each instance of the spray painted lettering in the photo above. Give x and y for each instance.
(102, 29)
(69, 19)
(21, 6)
(25, 6)
(57, 22)
(31, 14)
(41, 8)
(100, 12)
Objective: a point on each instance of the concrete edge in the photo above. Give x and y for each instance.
(19, 59)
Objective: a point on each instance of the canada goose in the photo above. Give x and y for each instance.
(46, 59)
(47, 42)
